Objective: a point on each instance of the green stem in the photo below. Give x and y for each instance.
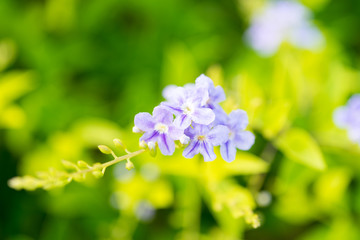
(112, 162)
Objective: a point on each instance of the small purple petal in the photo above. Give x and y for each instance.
(228, 151)
(166, 145)
(218, 135)
(200, 129)
(207, 150)
(244, 140)
(190, 132)
(182, 121)
(204, 81)
(169, 92)
(238, 120)
(192, 149)
(175, 132)
(144, 121)
(221, 118)
(200, 96)
(217, 95)
(150, 136)
(162, 115)
(172, 107)
(203, 116)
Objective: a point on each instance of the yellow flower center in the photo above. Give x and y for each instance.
(201, 138)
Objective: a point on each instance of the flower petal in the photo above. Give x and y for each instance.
(218, 135)
(182, 121)
(221, 118)
(207, 150)
(144, 121)
(169, 93)
(228, 151)
(200, 96)
(192, 149)
(217, 95)
(162, 115)
(244, 140)
(175, 132)
(204, 81)
(203, 116)
(238, 120)
(149, 136)
(190, 131)
(172, 107)
(166, 144)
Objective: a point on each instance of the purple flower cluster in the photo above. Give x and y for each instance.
(193, 116)
(348, 117)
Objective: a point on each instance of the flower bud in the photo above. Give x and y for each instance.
(68, 164)
(184, 139)
(151, 145)
(136, 129)
(82, 164)
(119, 144)
(143, 145)
(98, 174)
(105, 149)
(129, 165)
(16, 183)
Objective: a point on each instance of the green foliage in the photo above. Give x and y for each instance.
(74, 73)
(299, 146)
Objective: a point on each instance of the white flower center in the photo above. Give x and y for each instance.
(161, 128)
(188, 108)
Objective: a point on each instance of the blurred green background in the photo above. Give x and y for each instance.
(74, 73)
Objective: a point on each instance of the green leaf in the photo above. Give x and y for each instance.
(276, 117)
(244, 164)
(300, 147)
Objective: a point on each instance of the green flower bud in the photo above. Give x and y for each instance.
(119, 144)
(82, 164)
(16, 183)
(105, 149)
(129, 165)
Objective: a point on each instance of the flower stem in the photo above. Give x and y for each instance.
(112, 162)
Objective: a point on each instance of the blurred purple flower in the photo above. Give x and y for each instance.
(203, 140)
(236, 122)
(159, 128)
(187, 103)
(282, 21)
(144, 211)
(348, 117)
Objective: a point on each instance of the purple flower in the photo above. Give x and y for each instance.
(159, 128)
(187, 105)
(348, 117)
(197, 110)
(203, 140)
(283, 21)
(236, 122)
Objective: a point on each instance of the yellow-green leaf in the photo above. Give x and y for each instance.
(299, 146)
